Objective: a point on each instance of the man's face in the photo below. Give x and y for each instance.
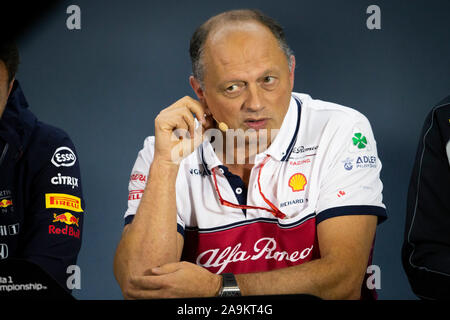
(247, 82)
(4, 87)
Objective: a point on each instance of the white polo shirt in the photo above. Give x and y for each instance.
(323, 163)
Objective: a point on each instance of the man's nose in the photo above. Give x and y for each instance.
(253, 101)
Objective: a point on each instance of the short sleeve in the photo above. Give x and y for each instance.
(139, 179)
(351, 184)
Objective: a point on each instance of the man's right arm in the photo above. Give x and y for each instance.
(152, 239)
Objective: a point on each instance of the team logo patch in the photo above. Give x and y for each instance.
(5, 203)
(63, 201)
(64, 157)
(348, 164)
(67, 218)
(297, 182)
(359, 140)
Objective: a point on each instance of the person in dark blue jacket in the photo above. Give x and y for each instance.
(41, 202)
(426, 245)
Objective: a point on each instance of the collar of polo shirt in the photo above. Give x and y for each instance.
(281, 146)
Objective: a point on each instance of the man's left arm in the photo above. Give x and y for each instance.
(348, 210)
(344, 243)
(55, 208)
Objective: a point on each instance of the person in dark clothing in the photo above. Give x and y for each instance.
(426, 247)
(41, 202)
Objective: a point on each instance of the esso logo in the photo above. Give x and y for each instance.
(64, 157)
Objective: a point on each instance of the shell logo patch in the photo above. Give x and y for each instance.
(297, 182)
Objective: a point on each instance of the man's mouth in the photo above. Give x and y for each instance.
(256, 123)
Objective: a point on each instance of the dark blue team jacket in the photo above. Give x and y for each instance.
(41, 202)
(426, 245)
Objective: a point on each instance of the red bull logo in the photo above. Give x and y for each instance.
(67, 230)
(67, 218)
(5, 203)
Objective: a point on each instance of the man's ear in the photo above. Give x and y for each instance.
(195, 84)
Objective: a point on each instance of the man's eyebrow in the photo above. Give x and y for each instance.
(263, 74)
(267, 72)
(231, 81)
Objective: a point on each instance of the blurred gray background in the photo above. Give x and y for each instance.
(104, 85)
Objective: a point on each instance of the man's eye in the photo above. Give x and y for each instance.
(269, 80)
(232, 88)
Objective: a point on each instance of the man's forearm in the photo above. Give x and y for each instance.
(322, 278)
(151, 239)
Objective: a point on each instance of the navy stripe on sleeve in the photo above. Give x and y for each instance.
(380, 212)
(180, 229)
(129, 219)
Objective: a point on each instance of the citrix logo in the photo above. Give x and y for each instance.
(65, 180)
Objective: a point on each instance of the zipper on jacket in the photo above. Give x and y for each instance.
(5, 150)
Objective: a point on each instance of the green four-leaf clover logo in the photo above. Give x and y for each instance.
(359, 140)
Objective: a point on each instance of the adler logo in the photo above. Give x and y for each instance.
(64, 157)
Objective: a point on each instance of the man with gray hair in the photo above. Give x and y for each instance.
(296, 216)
